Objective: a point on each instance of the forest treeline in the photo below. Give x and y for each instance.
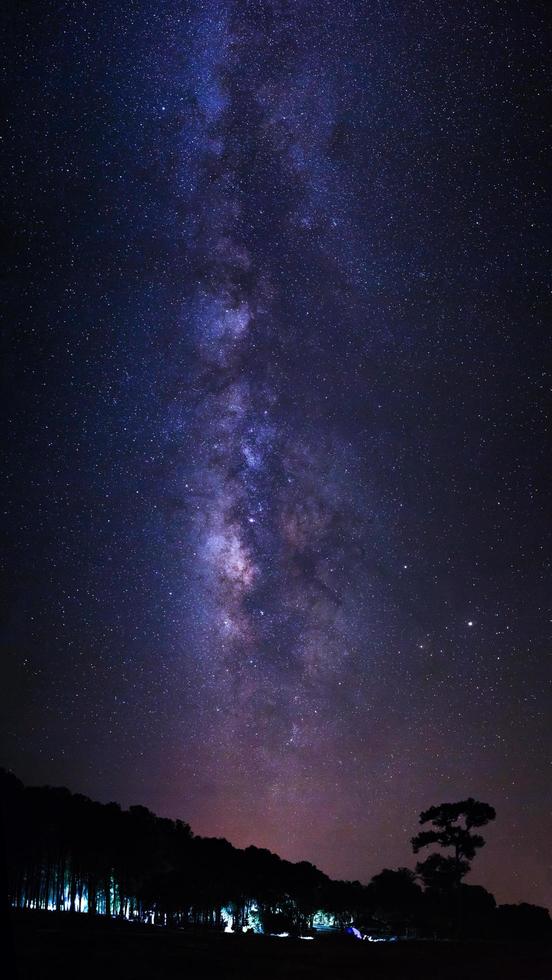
(66, 852)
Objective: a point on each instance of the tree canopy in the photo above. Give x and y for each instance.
(452, 827)
(69, 853)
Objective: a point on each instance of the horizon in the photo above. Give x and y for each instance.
(283, 856)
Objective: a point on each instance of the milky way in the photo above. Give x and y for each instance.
(276, 532)
(276, 536)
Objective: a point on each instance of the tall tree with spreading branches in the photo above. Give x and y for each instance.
(452, 827)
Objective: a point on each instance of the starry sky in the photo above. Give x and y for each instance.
(274, 372)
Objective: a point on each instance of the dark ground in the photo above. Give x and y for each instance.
(48, 945)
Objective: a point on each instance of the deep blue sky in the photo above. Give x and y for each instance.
(275, 387)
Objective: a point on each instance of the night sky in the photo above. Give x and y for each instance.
(274, 375)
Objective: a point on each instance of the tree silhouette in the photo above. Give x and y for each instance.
(68, 854)
(452, 827)
(440, 874)
(448, 830)
(394, 899)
